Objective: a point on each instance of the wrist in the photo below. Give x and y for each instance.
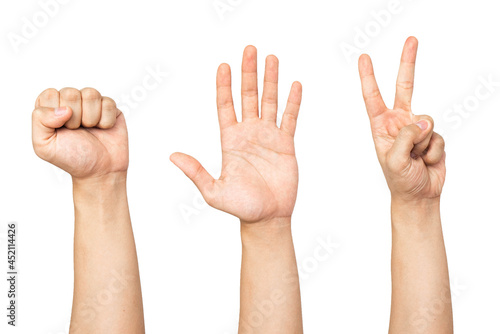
(419, 214)
(419, 205)
(100, 202)
(100, 189)
(266, 233)
(106, 181)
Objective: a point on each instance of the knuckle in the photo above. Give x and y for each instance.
(440, 140)
(404, 84)
(269, 100)
(226, 105)
(90, 94)
(251, 92)
(371, 95)
(72, 125)
(70, 94)
(440, 144)
(105, 126)
(49, 94)
(198, 172)
(433, 158)
(108, 103)
(436, 143)
(290, 117)
(106, 123)
(89, 123)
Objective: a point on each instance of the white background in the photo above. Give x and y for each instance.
(190, 264)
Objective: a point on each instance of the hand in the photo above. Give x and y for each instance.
(80, 132)
(411, 155)
(259, 174)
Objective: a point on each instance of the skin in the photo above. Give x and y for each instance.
(413, 161)
(258, 184)
(85, 134)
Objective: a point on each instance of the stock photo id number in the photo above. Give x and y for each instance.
(12, 274)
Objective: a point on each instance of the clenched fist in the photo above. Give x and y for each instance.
(411, 154)
(80, 132)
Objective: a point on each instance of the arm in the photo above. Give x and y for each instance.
(270, 292)
(413, 161)
(258, 184)
(421, 296)
(87, 137)
(107, 294)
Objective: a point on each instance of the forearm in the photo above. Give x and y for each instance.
(270, 293)
(107, 292)
(421, 299)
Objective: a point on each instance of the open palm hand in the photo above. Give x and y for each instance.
(259, 176)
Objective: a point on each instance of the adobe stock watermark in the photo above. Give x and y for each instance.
(33, 24)
(424, 317)
(223, 7)
(323, 251)
(462, 110)
(90, 309)
(367, 33)
(154, 78)
(192, 209)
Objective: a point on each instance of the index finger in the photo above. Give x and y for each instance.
(373, 99)
(225, 106)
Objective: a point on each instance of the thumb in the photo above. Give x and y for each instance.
(426, 123)
(196, 173)
(45, 121)
(406, 140)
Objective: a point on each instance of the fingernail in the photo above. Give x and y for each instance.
(60, 111)
(423, 125)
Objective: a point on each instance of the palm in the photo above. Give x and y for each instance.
(259, 175)
(259, 171)
(386, 127)
(93, 151)
(417, 175)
